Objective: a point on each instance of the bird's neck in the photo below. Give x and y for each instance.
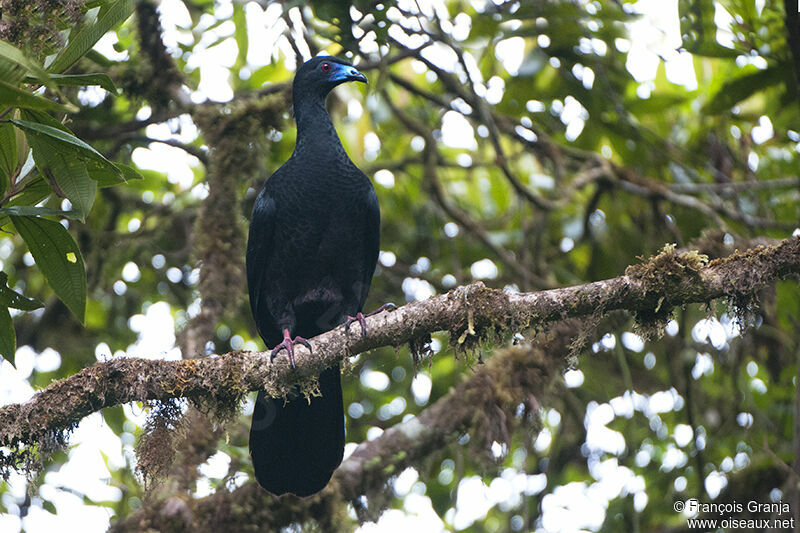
(315, 131)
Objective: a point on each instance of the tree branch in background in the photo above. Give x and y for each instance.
(158, 78)
(430, 157)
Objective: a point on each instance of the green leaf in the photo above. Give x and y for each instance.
(33, 211)
(62, 135)
(745, 86)
(49, 506)
(72, 178)
(61, 140)
(99, 59)
(23, 150)
(10, 298)
(66, 170)
(240, 33)
(58, 257)
(103, 171)
(8, 155)
(712, 49)
(11, 72)
(12, 96)
(11, 53)
(83, 80)
(8, 337)
(86, 38)
(106, 178)
(44, 118)
(657, 103)
(33, 193)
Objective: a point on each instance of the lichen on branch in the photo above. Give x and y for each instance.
(669, 279)
(485, 406)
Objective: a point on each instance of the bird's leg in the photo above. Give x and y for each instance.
(288, 345)
(360, 318)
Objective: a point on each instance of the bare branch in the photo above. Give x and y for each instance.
(735, 186)
(430, 169)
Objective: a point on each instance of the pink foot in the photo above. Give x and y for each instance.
(360, 318)
(288, 345)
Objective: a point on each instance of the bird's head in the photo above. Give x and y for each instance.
(320, 74)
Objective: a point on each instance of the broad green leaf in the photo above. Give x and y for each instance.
(8, 155)
(61, 157)
(743, 87)
(23, 150)
(12, 96)
(33, 193)
(104, 172)
(67, 139)
(99, 59)
(8, 337)
(9, 52)
(58, 257)
(10, 72)
(66, 170)
(86, 38)
(64, 140)
(712, 49)
(83, 80)
(32, 211)
(108, 178)
(44, 118)
(11, 298)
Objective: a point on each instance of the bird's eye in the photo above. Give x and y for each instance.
(325, 67)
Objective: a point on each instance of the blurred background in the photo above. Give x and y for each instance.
(530, 145)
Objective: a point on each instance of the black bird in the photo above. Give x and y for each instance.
(311, 253)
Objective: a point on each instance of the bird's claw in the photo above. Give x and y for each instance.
(288, 345)
(360, 318)
(304, 342)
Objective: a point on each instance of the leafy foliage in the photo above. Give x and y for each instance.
(527, 144)
(68, 165)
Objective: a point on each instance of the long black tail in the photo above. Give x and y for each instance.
(296, 445)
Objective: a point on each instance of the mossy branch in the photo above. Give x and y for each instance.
(469, 313)
(485, 405)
